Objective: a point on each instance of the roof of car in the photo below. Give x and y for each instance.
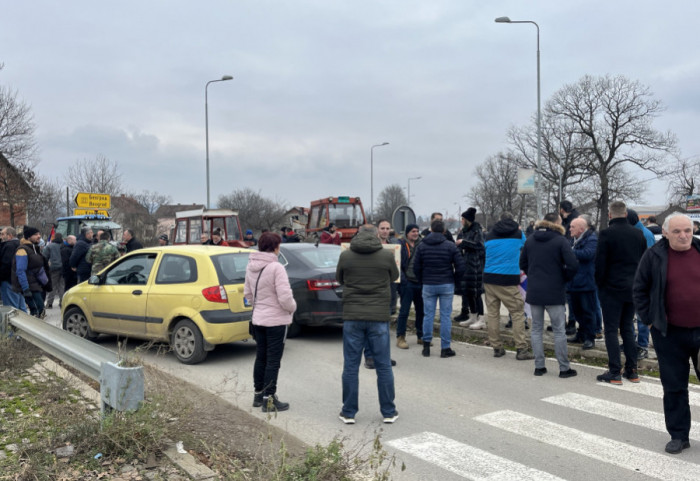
(194, 249)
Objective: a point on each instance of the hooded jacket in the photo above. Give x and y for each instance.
(437, 261)
(28, 271)
(7, 256)
(77, 258)
(549, 263)
(503, 244)
(366, 272)
(274, 304)
(53, 253)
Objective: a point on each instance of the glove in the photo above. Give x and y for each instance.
(27, 293)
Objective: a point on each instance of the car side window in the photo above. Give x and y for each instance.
(132, 270)
(283, 260)
(176, 269)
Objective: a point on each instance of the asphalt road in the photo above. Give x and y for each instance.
(469, 417)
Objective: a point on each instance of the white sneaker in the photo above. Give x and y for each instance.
(391, 419)
(480, 324)
(468, 322)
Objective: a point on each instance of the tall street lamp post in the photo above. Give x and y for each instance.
(538, 187)
(409, 188)
(371, 177)
(206, 125)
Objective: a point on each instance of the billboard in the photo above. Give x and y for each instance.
(526, 181)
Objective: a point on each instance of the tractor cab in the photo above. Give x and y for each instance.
(191, 224)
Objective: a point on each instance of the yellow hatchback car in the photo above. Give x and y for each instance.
(190, 296)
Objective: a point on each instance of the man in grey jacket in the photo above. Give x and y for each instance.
(366, 272)
(52, 252)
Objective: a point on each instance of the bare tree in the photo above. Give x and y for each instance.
(46, 203)
(613, 117)
(497, 188)
(100, 175)
(684, 179)
(391, 197)
(255, 212)
(152, 200)
(18, 148)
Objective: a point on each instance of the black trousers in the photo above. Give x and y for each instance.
(584, 306)
(474, 302)
(268, 357)
(618, 316)
(673, 352)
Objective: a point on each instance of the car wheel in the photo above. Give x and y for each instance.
(293, 330)
(75, 322)
(187, 343)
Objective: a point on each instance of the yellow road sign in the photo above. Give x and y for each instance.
(90, 212)
(85, 199)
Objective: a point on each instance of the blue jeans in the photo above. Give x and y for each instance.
(598, 315)
(12, 298)
(431, 293)
(410, 293)
(642, 334)
(355, 333)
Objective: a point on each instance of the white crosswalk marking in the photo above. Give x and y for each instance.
(618, 412)
(652, 389)
(467, 461)
(603, 449)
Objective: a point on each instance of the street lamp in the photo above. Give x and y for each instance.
(371, 177)
(206, 124)
(409, 187)
(538, 187)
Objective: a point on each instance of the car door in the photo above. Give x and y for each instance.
(118, 304)
(174, 286)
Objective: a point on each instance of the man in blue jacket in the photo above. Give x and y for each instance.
(582, 287)
(501, 279)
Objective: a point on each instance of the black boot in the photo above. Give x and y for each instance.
(463, 316)
(426, 349)
(271, 403)
(257, 399)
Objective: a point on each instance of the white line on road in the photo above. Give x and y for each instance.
(619, 454)
(617, 412)
(652, 389)
(467, 461)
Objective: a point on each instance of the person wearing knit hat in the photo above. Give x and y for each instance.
(163, 240)
(249, 238)
(28, 232)
(410, 290)
(470, 242)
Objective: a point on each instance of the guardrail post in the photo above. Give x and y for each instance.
(121, 388)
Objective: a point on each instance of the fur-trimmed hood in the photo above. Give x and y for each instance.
(545, 230)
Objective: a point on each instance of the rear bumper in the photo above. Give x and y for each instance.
(225, 316)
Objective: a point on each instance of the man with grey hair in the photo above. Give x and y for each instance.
(366, 272)
(582, 286)
(620, 247)
(666, 289)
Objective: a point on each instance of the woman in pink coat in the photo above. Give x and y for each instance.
(273, 307)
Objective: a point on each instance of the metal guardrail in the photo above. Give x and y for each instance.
(120, 388)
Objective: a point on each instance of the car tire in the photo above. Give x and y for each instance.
(294, 330)
(187, 343)
(75, 322)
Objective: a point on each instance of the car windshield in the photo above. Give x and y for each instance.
(321, 257)
(231, 267)
(345, 215)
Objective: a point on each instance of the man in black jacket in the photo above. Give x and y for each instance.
(549, 263)
(409, 290)
(10, 244)
(78, 263)
(130, 241)
(666, 290)
(69, 276)
(436, 265)
(620, 247)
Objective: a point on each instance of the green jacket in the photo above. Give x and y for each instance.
(101, 255)
(366, 271)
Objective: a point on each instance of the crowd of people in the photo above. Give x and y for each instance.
(607, 278)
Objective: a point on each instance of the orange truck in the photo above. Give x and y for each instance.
(344, 211)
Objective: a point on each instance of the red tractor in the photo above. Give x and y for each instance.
(345, 212)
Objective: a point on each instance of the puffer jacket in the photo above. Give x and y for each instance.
(474, 253)
(584, 250)
(437, 261)
(28, 272)
(274, 304)
(503, 244)
(366, 271)
(549, 263)
(77, 257)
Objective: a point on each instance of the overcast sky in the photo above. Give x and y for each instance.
(318, 82)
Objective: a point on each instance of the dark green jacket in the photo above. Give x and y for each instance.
(366, 272)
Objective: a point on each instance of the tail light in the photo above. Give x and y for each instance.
(215, 294)
(322, 284)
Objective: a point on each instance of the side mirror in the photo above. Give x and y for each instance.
(94, 280)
